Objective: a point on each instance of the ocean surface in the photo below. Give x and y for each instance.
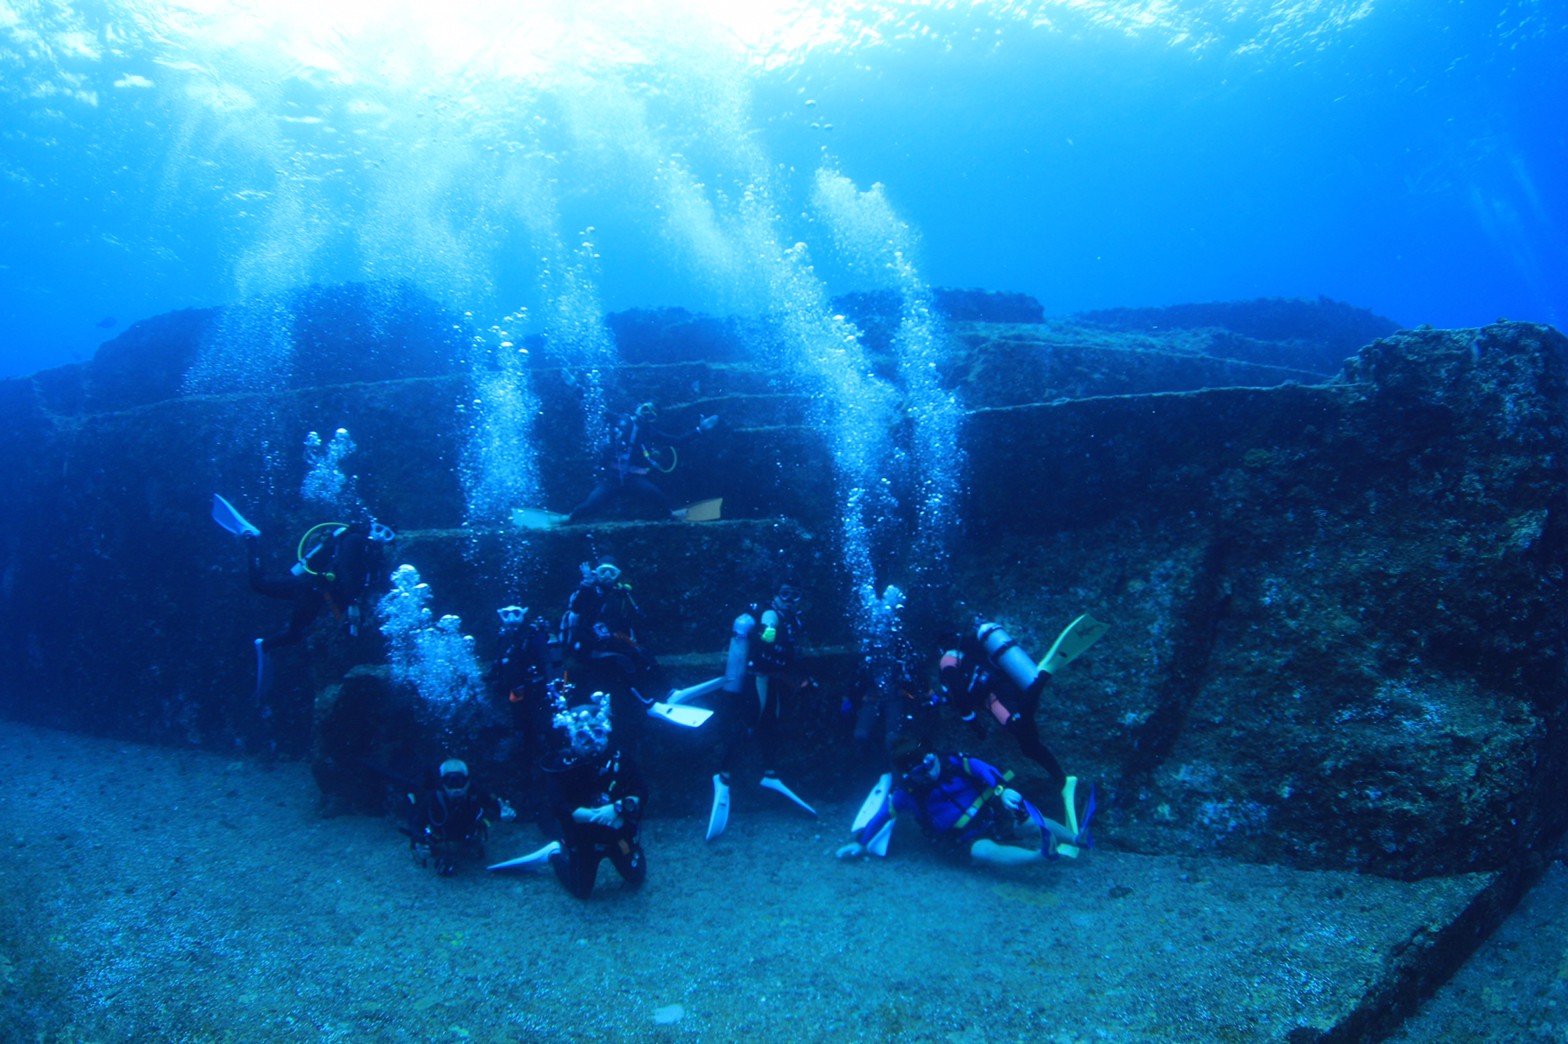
(1403, 157)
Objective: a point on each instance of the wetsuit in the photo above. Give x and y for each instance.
(337, 572)
(630, 455)
(759, 710)
(599, 635)
(444, 823)
(519, 676)
(592, 782)
(961, 806)
(976, 689)
(882, 713)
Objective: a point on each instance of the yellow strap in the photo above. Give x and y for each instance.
(985, 795)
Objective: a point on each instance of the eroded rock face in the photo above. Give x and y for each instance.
(1338, 637)
(1339, 632)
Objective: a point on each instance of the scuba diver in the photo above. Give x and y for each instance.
(965, 805)
(636, 448)
(985, 672)
(598, 796)
(598, 639)
(885, 711)
(335, 564)
(449, 818)
(762, 648)
(528, 660)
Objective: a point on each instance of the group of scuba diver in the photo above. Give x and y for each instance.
(580, 688)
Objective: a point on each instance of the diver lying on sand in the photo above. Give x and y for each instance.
(964, 804)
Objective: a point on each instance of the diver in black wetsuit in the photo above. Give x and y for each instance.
(762, 651)
(527, 661)
(450, 817)
(976, 689)
(600, 644)
(598, 796)
(636, 448)
(336, 571)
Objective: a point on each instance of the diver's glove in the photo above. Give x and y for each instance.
(853, 850)
(508, 813)
(708, 423)
(604, 815)
(1014, 802)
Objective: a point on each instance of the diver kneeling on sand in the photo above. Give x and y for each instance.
(597, 795)
(965, 804)
(451, 817)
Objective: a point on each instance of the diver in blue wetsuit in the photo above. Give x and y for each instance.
(965, 804)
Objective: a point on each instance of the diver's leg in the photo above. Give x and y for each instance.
(768, 722)
(650, 499)
(576, 867)
(307, 606)
(598, 501)
(627, 857)
(1022, 726)
(991, 853)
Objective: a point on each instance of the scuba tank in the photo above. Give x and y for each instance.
(740, 652)
(1006, 656)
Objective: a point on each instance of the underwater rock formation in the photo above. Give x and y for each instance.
(1335, 589)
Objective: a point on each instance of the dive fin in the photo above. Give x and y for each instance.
(1081, 836)
(1070, 803)
(691, 692)
(533, 860)
(873, 803)
(537, 518)
(263, 671)
(702, 510)
(224, 514)
(877, 846)
(690, 717)
(719, 818)
(1073, 642)
(776, 785)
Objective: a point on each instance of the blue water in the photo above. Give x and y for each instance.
(1405, 157)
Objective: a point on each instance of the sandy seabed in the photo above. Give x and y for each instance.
(157, 894)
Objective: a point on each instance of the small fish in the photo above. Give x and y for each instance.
(108, 322)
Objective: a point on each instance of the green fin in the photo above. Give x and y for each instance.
(1073, 642)
(1070, 802)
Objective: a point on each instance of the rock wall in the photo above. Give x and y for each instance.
(1336, 596)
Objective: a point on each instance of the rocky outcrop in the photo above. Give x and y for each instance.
(1336, 643)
